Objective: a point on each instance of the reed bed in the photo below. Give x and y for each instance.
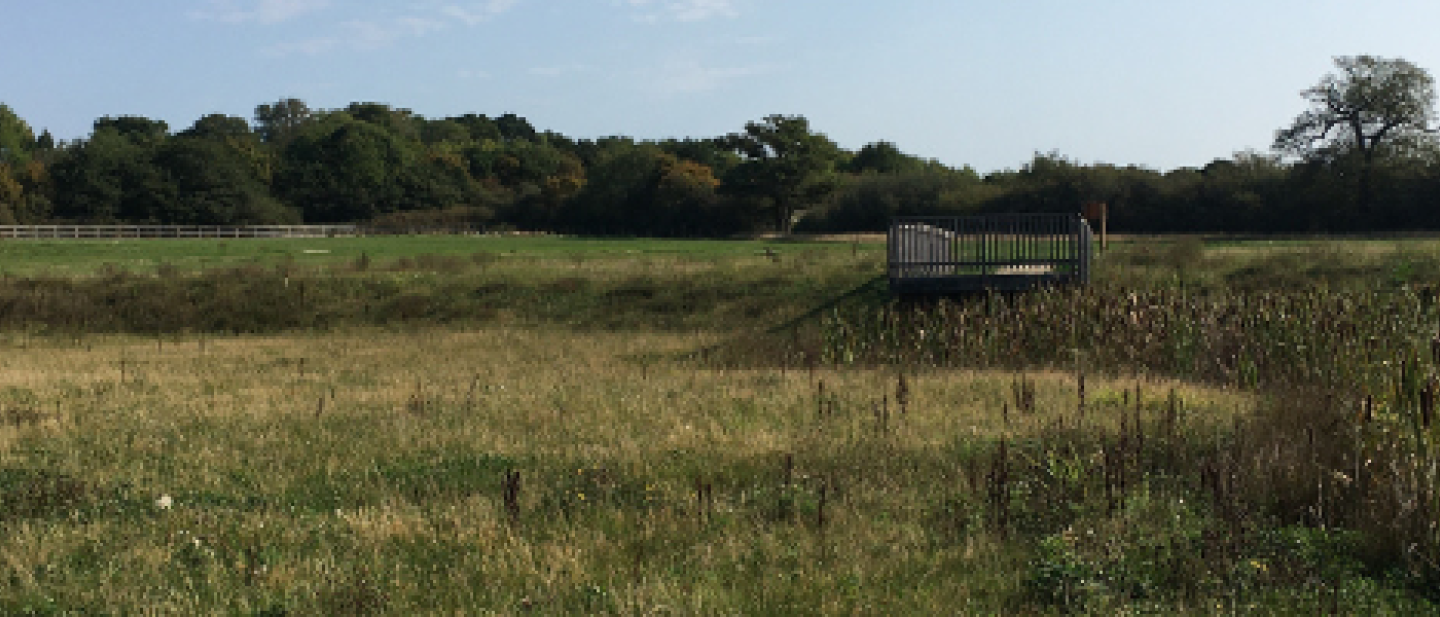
(1344, 442)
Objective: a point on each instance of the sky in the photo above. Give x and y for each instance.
(1160, 84)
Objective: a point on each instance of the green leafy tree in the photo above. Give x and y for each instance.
(138, 129)
(112, 177)
(1242, 193)
(433, 132)
(513, 127)
(640, 189)
(543, 178)
(439, 190)
(279, 121)
(343, 169)
(619, 189)
(400, 123)
(786, 167)
(12, 195)
(239, 140)
(1050, 182)
(685, 200)
(216, 181)
(885, 158)
(16, 138)
(23, 179)
(1368, 109)
(480, 127)
(25, 190)
(868, 201)
(713, 153)
(219, 126)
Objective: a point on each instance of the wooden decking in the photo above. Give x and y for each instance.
(1009, 252)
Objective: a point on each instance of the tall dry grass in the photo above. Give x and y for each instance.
(370, 472)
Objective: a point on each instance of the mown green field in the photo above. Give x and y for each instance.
(621, 427)
(81, 257)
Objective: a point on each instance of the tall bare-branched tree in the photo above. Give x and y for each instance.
(1368, 109)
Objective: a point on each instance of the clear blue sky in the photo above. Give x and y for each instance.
(1155, 83)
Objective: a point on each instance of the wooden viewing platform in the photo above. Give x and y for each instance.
(1001, 252)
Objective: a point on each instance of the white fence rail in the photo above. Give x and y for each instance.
(56, 232)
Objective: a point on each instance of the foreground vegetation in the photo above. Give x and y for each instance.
(1210, 428)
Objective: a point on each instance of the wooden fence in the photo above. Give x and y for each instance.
(76, 232)
(955, 254)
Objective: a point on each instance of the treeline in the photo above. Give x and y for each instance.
(379, 164)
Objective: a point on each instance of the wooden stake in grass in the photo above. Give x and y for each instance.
(704, 498)
(1139, 433)
(1172, 413)
(1427, 403)
(1122, 453)
(470, 394)
(419, 403)
(820, 506)
(1109, 473)
(820, 398)
(512, 495)
(902, 393)
(1000, 489)
(1023, 391)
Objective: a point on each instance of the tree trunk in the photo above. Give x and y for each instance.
(1365, 202)
(784, 212)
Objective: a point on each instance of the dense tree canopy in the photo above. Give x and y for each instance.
(787, 167)
(16, 138)
(279, 121)
(344, 169)
(1360, 158)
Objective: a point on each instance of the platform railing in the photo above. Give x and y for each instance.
(997, 251)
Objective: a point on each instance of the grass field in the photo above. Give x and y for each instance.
(83, 257)
(618, 427)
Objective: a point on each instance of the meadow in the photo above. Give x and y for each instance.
(559, 426)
